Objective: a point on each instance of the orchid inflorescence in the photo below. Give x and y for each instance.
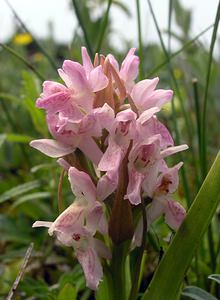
(109, 140)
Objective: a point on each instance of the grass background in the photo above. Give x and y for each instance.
(28, 179)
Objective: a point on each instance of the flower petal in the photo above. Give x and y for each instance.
(155, 210)
(51, 87)
(89, 147)
(107, 184)
(168, 181)
(112, 157)
(73, 74)
(153, 127)
(113, 61)
(91, 266)
(82, 185)
(102, 249)
(52, 148)
(141, 92)
(147, 114)
(172, 150)
(42, 224)
(174, 214)
(87, 64)
(72, 217)
(97, 79)
(94, 217)
(54, 103)
(129, 68)
(134, 187)
(63, 163)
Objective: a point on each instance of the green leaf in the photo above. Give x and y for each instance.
(175, 262)
(215, 277)
(31, 93)
(15, 230)
(183, 17)
(197, 293)
(2, 139)
(43, 166)
(18, 138)
(105, 288)
(75, 277)
(29, 197)
(68, 292)
(18, 190)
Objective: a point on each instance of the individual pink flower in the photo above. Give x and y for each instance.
(71, 118)
(81, 82)
(77, 225)
(124, 130)
(159, 188)
(144, 161)
(129, 68)
(71, 134)
(145, 96)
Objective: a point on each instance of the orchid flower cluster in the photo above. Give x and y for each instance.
(107, 136)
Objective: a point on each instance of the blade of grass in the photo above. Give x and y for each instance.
(137, 272)
(169, 26)
(44, 52)
(204, 166)
(21, 272)
(198, 117)
(204, 114)
(175, 83)
(19, 190)
(185, 183)
(184, 180)
(103, 27)
(14, 126)
(22, 59)
(141, 70)
(175, 262)
(83, 27)
(183, 48)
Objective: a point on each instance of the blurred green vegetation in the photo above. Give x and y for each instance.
(28, 179)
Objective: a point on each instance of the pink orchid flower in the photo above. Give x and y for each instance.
(160, 188)
(70, 115)
(78, 224)
(71, 134)
(145, 96)
(129, 68)
(124, 129)
(81, 82)
(144, 160)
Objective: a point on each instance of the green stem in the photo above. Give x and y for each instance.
(174, 54)
(30, 66)
(204, 129)
(141, 69)
(211, 248)
(169, 26)
(80, 20)
(119, 254)
(49, 58)
(103, 27)
(135, 285)
(15, 129)
(185, 183)
(204, 115)
(175, 83)
(198, 120)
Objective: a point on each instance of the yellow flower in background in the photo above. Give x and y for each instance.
(178, 73)
(36, 57)
(167, 108)
(22, 39)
